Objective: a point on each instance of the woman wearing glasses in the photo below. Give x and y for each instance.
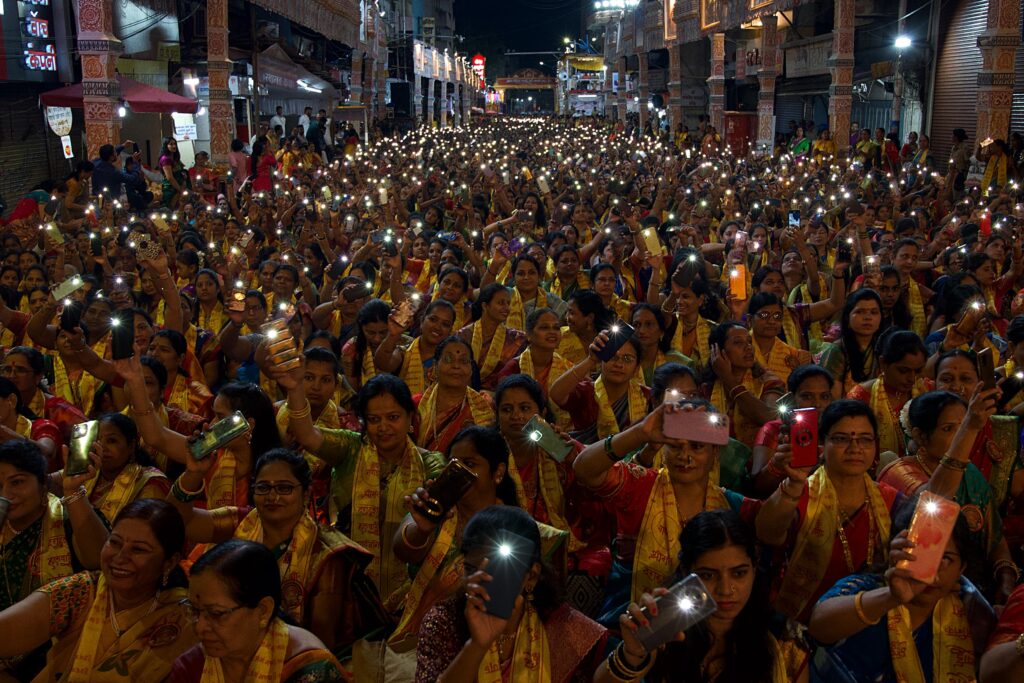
(774, 355)
(125, 623)
(323, 587)
(235, 600)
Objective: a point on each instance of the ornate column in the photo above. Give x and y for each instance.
(716, 83)
(101, 93)
(766, 78)
(998, 44)
(221, 110)
(368, 81)
(643, 89)
(608, 95)
(444, 104)
(431, 96)
(675, 87)
(622, 89)
(355, 86)
(840, 93)
(382, 88)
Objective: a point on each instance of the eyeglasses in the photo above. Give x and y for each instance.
(625, 358)
(9, 370)
(214, 616)
(766, 315)
(843, 440)
(281, 488)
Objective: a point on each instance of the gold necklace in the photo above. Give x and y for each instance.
(924, 466)
(841, 519)
(503, 640)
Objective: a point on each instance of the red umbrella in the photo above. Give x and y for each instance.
(142, 98)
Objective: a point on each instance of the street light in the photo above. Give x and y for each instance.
(902, 42)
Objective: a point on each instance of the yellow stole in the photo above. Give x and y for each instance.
(813, 551)
(996, 167)
(81, 394)
(488, 363)
(517, 310)
(556, 287)
(890, 435)
(531, 660)
(741, 425)
(571, 347)
(369, 369)
(1009, 368)
(952, 647)
(917, 319)
(213, 320)
(54, 556)
(657, 544)
(6, 337)
(373, 528)
(268, 663)
(423, 281)
(700, 354)
(782, 359)
(802, 294)
(559, 366)
(607, 424)
(23, 426)
(412, 368)
(296, 563)
(222, 481)
(551, 492)
(791, 328)
(479, 407)
(179, 397)
(122, 491)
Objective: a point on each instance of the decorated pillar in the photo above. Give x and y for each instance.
(608, 94)
(444, 104)
(675, 87)
(417, 98)
(716, 82)
(840, 92)
(431, 96)
(998, 44)
(643, 89)
(355, 86)
(622, 89)
(766, 76)
(382, 87)
(221, 109)
(368, 81)
(101, 93)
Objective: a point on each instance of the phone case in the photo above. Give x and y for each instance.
(161, 224)
(54, 233)
(356, 293)
(697, 425)
(219, 434)
(871, 266)
(803, 436)
(96, 245)
(146, 247)
(273, 329)
(405, 312)
(986, 368)
(509, 563)
(236, 302)
(686, 603)
(83, 435)
(618, 333)
(447, 488)
(794, 219)
(651, 241)
(930, 529)
(541, 433)
(542, 183)
(71, 316)
(738, 282)
(66, 288)
(122, 335)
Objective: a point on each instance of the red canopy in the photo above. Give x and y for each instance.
(142, 98)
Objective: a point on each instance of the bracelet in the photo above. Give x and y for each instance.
(621, 670)
(858, 604)
(772, 469)
(787, 494)
(1006, 564)
(952, 463)
(183, 495)
(733, 394)
(410, 544)
(77, 494)
(143, 413)
(609, 450)
(303, 412)
(1020, 646)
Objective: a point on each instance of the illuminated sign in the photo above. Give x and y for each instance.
(36, 26)
(44, 59)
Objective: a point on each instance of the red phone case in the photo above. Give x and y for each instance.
(803, 437)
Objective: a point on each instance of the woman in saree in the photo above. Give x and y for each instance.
(737, 385)
(235, 598)
(691, 333)
(934, 418)
(651, 329)
(585, 316)
(227, 481)
(541, 360)
(605, 279)
(735, 642)
(414, 362)
(209, 314)
(182, 391)
(569, 277)
(851, 358)
(842, 516)
(454, 287)
(372, 471)
(543, 639)
(17, 422)
(357, 353)
(766, 315)
(493, 343)
(176, 182)
(124, 623)
(1003, 660)
(892, 627)
(450, 402)
(324, 588)
(609, 404)
(526, 293)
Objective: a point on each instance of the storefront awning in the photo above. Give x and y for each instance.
(278, 72)
(142, 98)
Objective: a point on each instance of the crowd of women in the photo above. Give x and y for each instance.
(608, 342)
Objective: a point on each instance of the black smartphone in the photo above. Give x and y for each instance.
(510, 559)
(844, 252)
(447, 489)
(337, 269)
(986, 368)
(122, 335)
(618, 334)
(356, 293)
(71, 316)
(96, 244)
(387, 241)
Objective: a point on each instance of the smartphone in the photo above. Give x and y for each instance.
(618, 333)
(527, 174)
(870, 266)
(464, 197)
(930, 529)
(244, 240)
(686, 603)
(54, 233)
(83, 435)
(357, 293)
(986, 368)
(337, 269)
(448, 235)
(236, 302)
(794, 219)
(542, 183)
(738, 282)
(144, 245)
(447, 489)
(160, 224)
(122, 335)
(844, 252)
(71, 316)
(510, 560)
(95, 244)
(803, 436)
(740, 241)
(405, 311)
(697, 425)
(219, 434)
(382, 196)
(651, 241)
(326, 192)
(69, 286)
(541, 433)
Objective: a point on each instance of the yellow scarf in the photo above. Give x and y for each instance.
(571, 347)
(791, 328)
(802, 294)
(996, 167)
(123, 489)
(700, 354)
(517, 310)
(890, 435)
(607, 424)
(782, 359)
(423, 281)
(81, 394)
(412, 368)
(6, 337)
(213, 320)
(369, 369)
(740, 426)
(24, 427)
(559, 366)
(657, 544)
(531, 660)
(52, 555)
(373, 528)
(813, 551)
(268, 663)
(85, 659)
(296, 563)
(556, 284)
(487, 363)
(917, 319)
(479, 407)
(952, 647)
(550, 491)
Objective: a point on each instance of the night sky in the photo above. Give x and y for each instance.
(493, 26)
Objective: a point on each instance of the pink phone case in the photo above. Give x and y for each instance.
(693, 425)
(930, 529)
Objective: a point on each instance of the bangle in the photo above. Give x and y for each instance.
(773, 469)
(621, 670)
(952, 463)
(609, 449)
(142, 413)
(180, 493)
(787, 494)
(734, 394)
(301, 413)
(858, 603)
(77, 494)
(410, 544)
(1000, 565)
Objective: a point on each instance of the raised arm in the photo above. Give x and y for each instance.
(170, 443)
(88, 532)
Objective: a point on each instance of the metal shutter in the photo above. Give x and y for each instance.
(788, 108)
(956, 84)
(25, 157)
